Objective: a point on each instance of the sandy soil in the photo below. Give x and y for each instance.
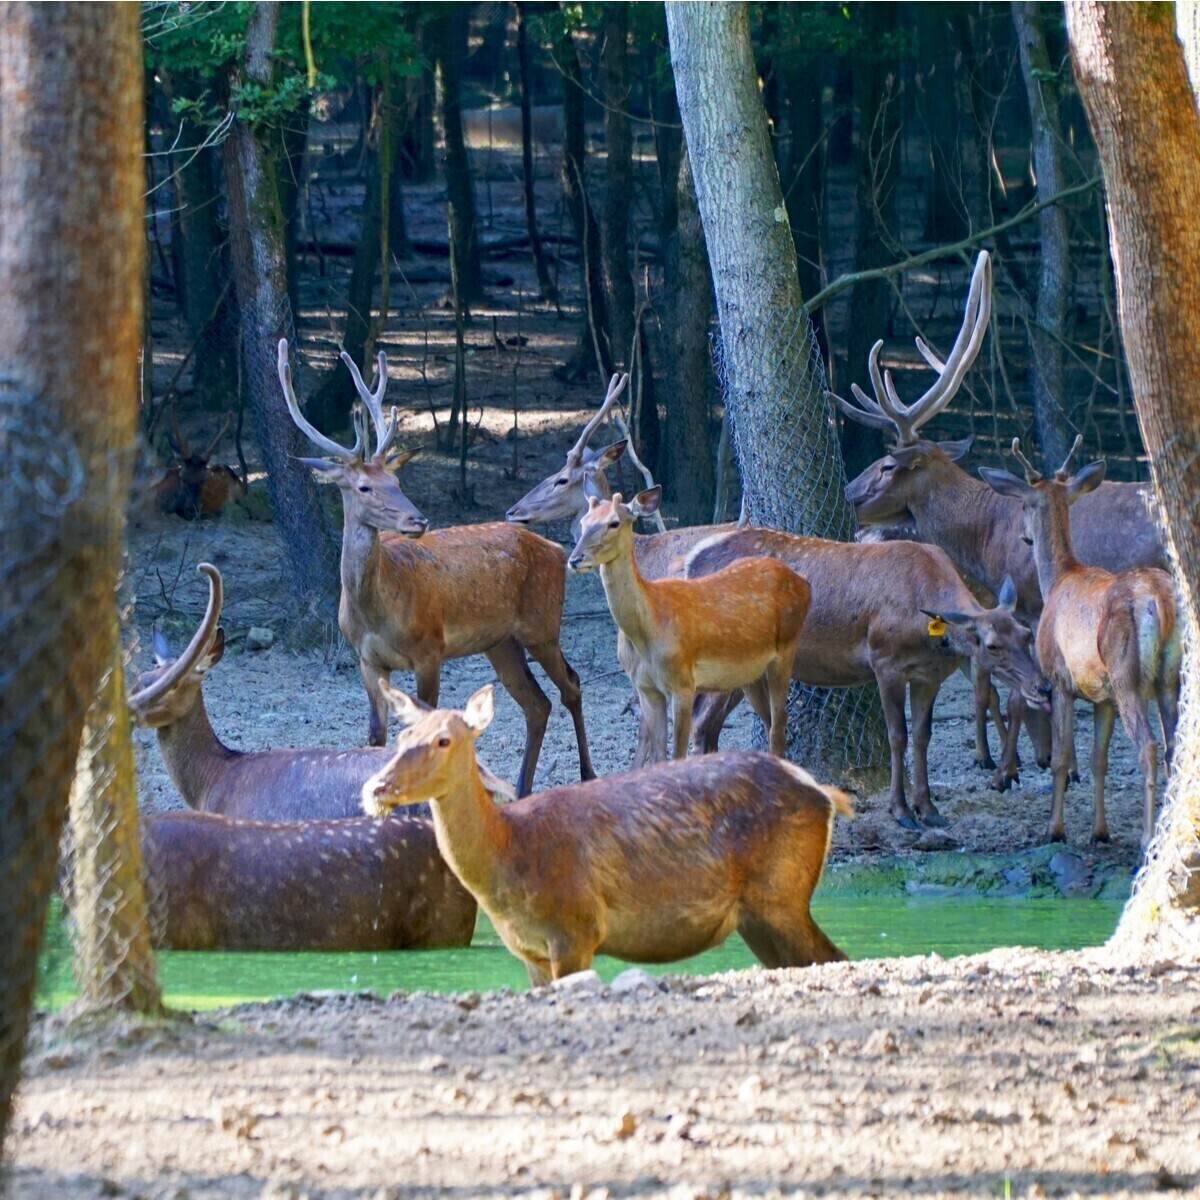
(1015, 1073)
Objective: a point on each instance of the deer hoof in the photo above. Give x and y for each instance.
(1002, 783)
(1057, 835)
(933, 819)
(903, 817)
(1074, 777)
(985, 764)
(1101, 837)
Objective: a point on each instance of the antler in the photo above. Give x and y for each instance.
(217, 440)
(1032, 474)
(326, 445)
(181, 446)
(887, 411)
(373, 400)
(616, 385)
(1064, 472)
(196, 648)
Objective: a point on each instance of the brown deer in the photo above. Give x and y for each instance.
(269, 785)
(195, 488)
(407, 605)
(873, 619)
(918, 484)
(738, 628)
(358, 884)
(1109, 638)
(652, 866)
(564, 496)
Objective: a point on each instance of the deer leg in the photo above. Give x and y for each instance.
(563, 676)
(654, 718)
(891, 692)
(372, 677)
(512, 669)
(1167, 694)
(539, 972)
(984, 703)
(1136, 719)
(1103, 716)
(1062, 720)
(567, 958)
(681, 721)
(923, 695)
(778, 677)
(1009, 770)
(710, 720)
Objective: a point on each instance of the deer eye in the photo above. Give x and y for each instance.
(885, 467)
(364, 487)
(443, 742)
(614, 524)
(560, 482)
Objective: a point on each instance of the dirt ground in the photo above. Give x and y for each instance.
(1013, 1073)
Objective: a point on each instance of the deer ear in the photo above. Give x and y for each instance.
(1006, 484)
(214, 653)
(480, 708)
(162, 651)
(961, 620)
(1088, 480)
(396, 461)
(1008, 594)
(646, 503)
(908, 456)
(407, 709)
(600, 459)
(956, 450)
(325, 470)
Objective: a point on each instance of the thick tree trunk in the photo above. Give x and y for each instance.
(792, 473)
(945, 210)
(877, 103)
(260, 273)
(688, 305)
(1142, 112)
(545, 283)
(71, 244)
(593, 338)
(460, 185)
(1047, 334)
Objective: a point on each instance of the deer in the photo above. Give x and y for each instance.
(1111, 638)
(736, 629)
(893, 613)
(195, 488)
(267, 785)
(214, 883)
(412, 599)
(564, 495)
(920, 484)
(650, 866)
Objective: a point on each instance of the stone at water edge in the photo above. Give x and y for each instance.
(634, 980)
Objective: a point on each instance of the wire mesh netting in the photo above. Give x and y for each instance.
(785, 443)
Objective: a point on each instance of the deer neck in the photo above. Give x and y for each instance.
(626, 591)
(361, 558)
(195, 757)
(1053, 551)
(472, 831)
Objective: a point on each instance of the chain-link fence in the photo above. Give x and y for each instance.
(785, 443)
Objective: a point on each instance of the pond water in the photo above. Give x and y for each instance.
(863, 926)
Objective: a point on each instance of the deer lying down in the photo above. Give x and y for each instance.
(195, 488)
(652, 866)
(357, 884)
(1109, 638)
(738, 628)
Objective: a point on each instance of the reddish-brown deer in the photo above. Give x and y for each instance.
(356, 884)
(651, 866)
(195, 488)
(407, 605)
(738, 628)
(869, 621)
(918, 484)
(1111, 639)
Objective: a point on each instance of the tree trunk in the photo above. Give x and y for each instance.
(545, 283)
(460, 186)
(688, 306)
(792, 474)
(1142, 112)
(72, 238)
(946, 208)
(114, 963)
(877, 101)
(260, 273)
(593, 338)
(1047, 334)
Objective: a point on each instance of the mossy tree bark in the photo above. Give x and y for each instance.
(1134, 85)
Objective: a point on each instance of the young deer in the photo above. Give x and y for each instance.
(409, 604)
(195, 488)
(1111, 639)
(651, 866)
(358, 884)
(738, 628)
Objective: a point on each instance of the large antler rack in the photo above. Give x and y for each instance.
(886, 411)
(326, 445)
(616, 385)
(372, 399)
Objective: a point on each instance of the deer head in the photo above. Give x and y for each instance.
(371, 495)
(165, 694)
(606, 530)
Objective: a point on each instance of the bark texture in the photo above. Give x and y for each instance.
(71, 246)
(792, 473)
(1142, 112)
(256, 233)
(1047, 333)
(545, 284)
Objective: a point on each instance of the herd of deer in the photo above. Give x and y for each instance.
(668, 859)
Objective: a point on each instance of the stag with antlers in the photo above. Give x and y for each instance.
(195, 488)
(412, 599)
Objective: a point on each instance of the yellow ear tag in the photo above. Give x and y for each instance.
(937, 627)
